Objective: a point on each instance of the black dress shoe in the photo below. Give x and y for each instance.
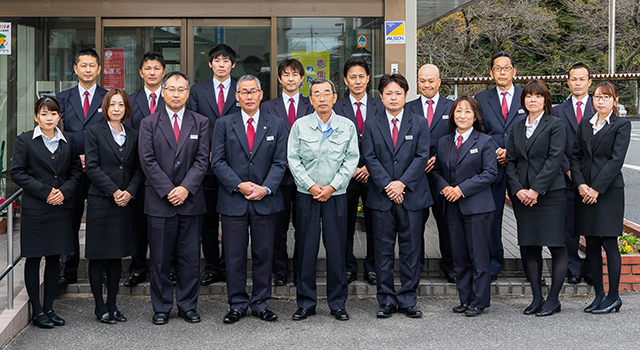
(573, 279)
(173, 278)
(160, 318)
(280, 280)
(106, 318)
(133, 280)
(55, 318)
(63, 282)
(543, 281)
(351, 277)
(210, 278)
(41, 320)
(302, 313)
(190, 316)
(386, 310)
(460, 308)
(451, 277)
(473, 311)
(371, 278)
(340, 314)
(233, 316)
(544, 312)
(118, 316)
(266, 315)
(605, 310)
(533, 309)
(411, 312)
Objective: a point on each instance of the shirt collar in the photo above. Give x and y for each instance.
(245, 117)
(535, 122)
(465, 135)
(148, 92)
(113, 131)
(286, 98)
(594, 119)
(225, 83)
(435, 99)
(91, 90)
(320, 122)
(363, 100)
(509, 92)
(170, 113)
(584, 100)
(390, 117)
(37, 131)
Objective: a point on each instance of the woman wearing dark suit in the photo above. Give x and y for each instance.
(47, 167)
(465, 168)
(538, 193)
(597, 157)
(112, 164)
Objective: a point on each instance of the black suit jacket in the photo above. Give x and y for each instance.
(109, 169)
(233, 163)
(440, 122)
(73, 120)
(596, 160)
(566, 113)
(140, 108)
(33, 169)
(535, 163)
(167, 164)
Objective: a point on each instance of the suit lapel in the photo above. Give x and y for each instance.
(466, 147)
(231, 97)
(185, 130)
(494, 101)
(164, 121)
(74, 97)
(438, 113)
(261, 131)
(143, 104)
(282, 111)
(383, 126)
(371, 107)
(449, 142)
(544, 119)
(571, 115)
(210, 93)
(303, 107)
(106, 134)
(129, 144)
(241, 134)
(405, 127)
(96, 102)
(597, 138)
(45, 154)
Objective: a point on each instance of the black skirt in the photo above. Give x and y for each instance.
(109, 229)
(46, 232)
(544, 223)
(604, 218)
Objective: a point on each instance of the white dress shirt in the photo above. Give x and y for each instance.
(118, 137)
(600, 125)
(180, 114)
(52, 145)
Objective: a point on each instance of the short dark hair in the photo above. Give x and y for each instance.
(152, 56)
(106, 101)
(607, 88)
(87, 52)
(578, 66)
(46, 102)
(536, 87)
(393, 78)
(353, 62)
(318, 81)
(172, 74)
(498, 55)
(291, 63)
(223, 50)
(475, 107)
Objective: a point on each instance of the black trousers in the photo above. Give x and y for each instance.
(331, 217)
(444, 238)
(177, 236)
(235, 230)
(69, 262)
(573, 237)
(280, 255)
(405, 226)
(213, 255)
(360, 191)
(472, 256)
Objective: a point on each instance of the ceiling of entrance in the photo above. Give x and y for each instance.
(432, 10)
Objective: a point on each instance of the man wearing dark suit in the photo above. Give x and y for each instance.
(396, 150)
(435, 110)
(174, 155)
(289, 106)
(359, 107)
(80, 108)
(144, 102)
(214, 99)
(500, 109)
(249, 156)
(576, 108)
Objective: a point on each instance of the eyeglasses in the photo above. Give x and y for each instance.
(604, 98)
(245, 93)
(180, 90)
(502, 69)
(325, 94)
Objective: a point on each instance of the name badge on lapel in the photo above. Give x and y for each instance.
(473, 151)
(99, 110)
(269, 138)
(194, 137)
(238, 104)
(408, 137)
(445, 116)
(521, 111)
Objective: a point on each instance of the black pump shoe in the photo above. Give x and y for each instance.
(41, 320)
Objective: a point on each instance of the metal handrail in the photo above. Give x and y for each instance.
(8, 204)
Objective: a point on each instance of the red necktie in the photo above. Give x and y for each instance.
(292, 111)
(505, 108)
(85, 105)
(579, 111)
(459, 141)
(394, 132)
(152, 105)
(221, 99)
(359, 118)
(251, 134)
(430, 112)
(176, 128)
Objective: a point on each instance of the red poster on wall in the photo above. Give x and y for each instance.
(113, 69)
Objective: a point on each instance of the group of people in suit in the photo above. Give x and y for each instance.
(160, 168)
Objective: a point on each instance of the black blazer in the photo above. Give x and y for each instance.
(108, 168)
(440, 123)
(535, 163)
(140, 108)
(566, 113)
(73, 119)
(33, 169)
(596, 160)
